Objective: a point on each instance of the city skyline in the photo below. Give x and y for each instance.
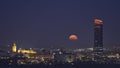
(50, 23)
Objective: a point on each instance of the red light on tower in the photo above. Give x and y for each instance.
(98, 22)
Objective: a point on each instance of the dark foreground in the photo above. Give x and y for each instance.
(62, 66)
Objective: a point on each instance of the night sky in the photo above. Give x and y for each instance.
(48, 23)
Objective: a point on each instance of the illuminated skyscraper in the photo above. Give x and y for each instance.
(98, 37)
(14, 48)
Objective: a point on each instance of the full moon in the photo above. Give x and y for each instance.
(73, 37)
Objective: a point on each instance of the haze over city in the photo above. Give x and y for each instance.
(40, 23)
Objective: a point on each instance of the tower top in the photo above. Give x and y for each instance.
(98, 22)
(14, 44)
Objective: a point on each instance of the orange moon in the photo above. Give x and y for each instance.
(73, 37)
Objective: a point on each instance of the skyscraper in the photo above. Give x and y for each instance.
(98, 37)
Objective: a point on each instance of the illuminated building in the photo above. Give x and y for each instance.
(98, 37)
(30, 51)
(14, 48)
